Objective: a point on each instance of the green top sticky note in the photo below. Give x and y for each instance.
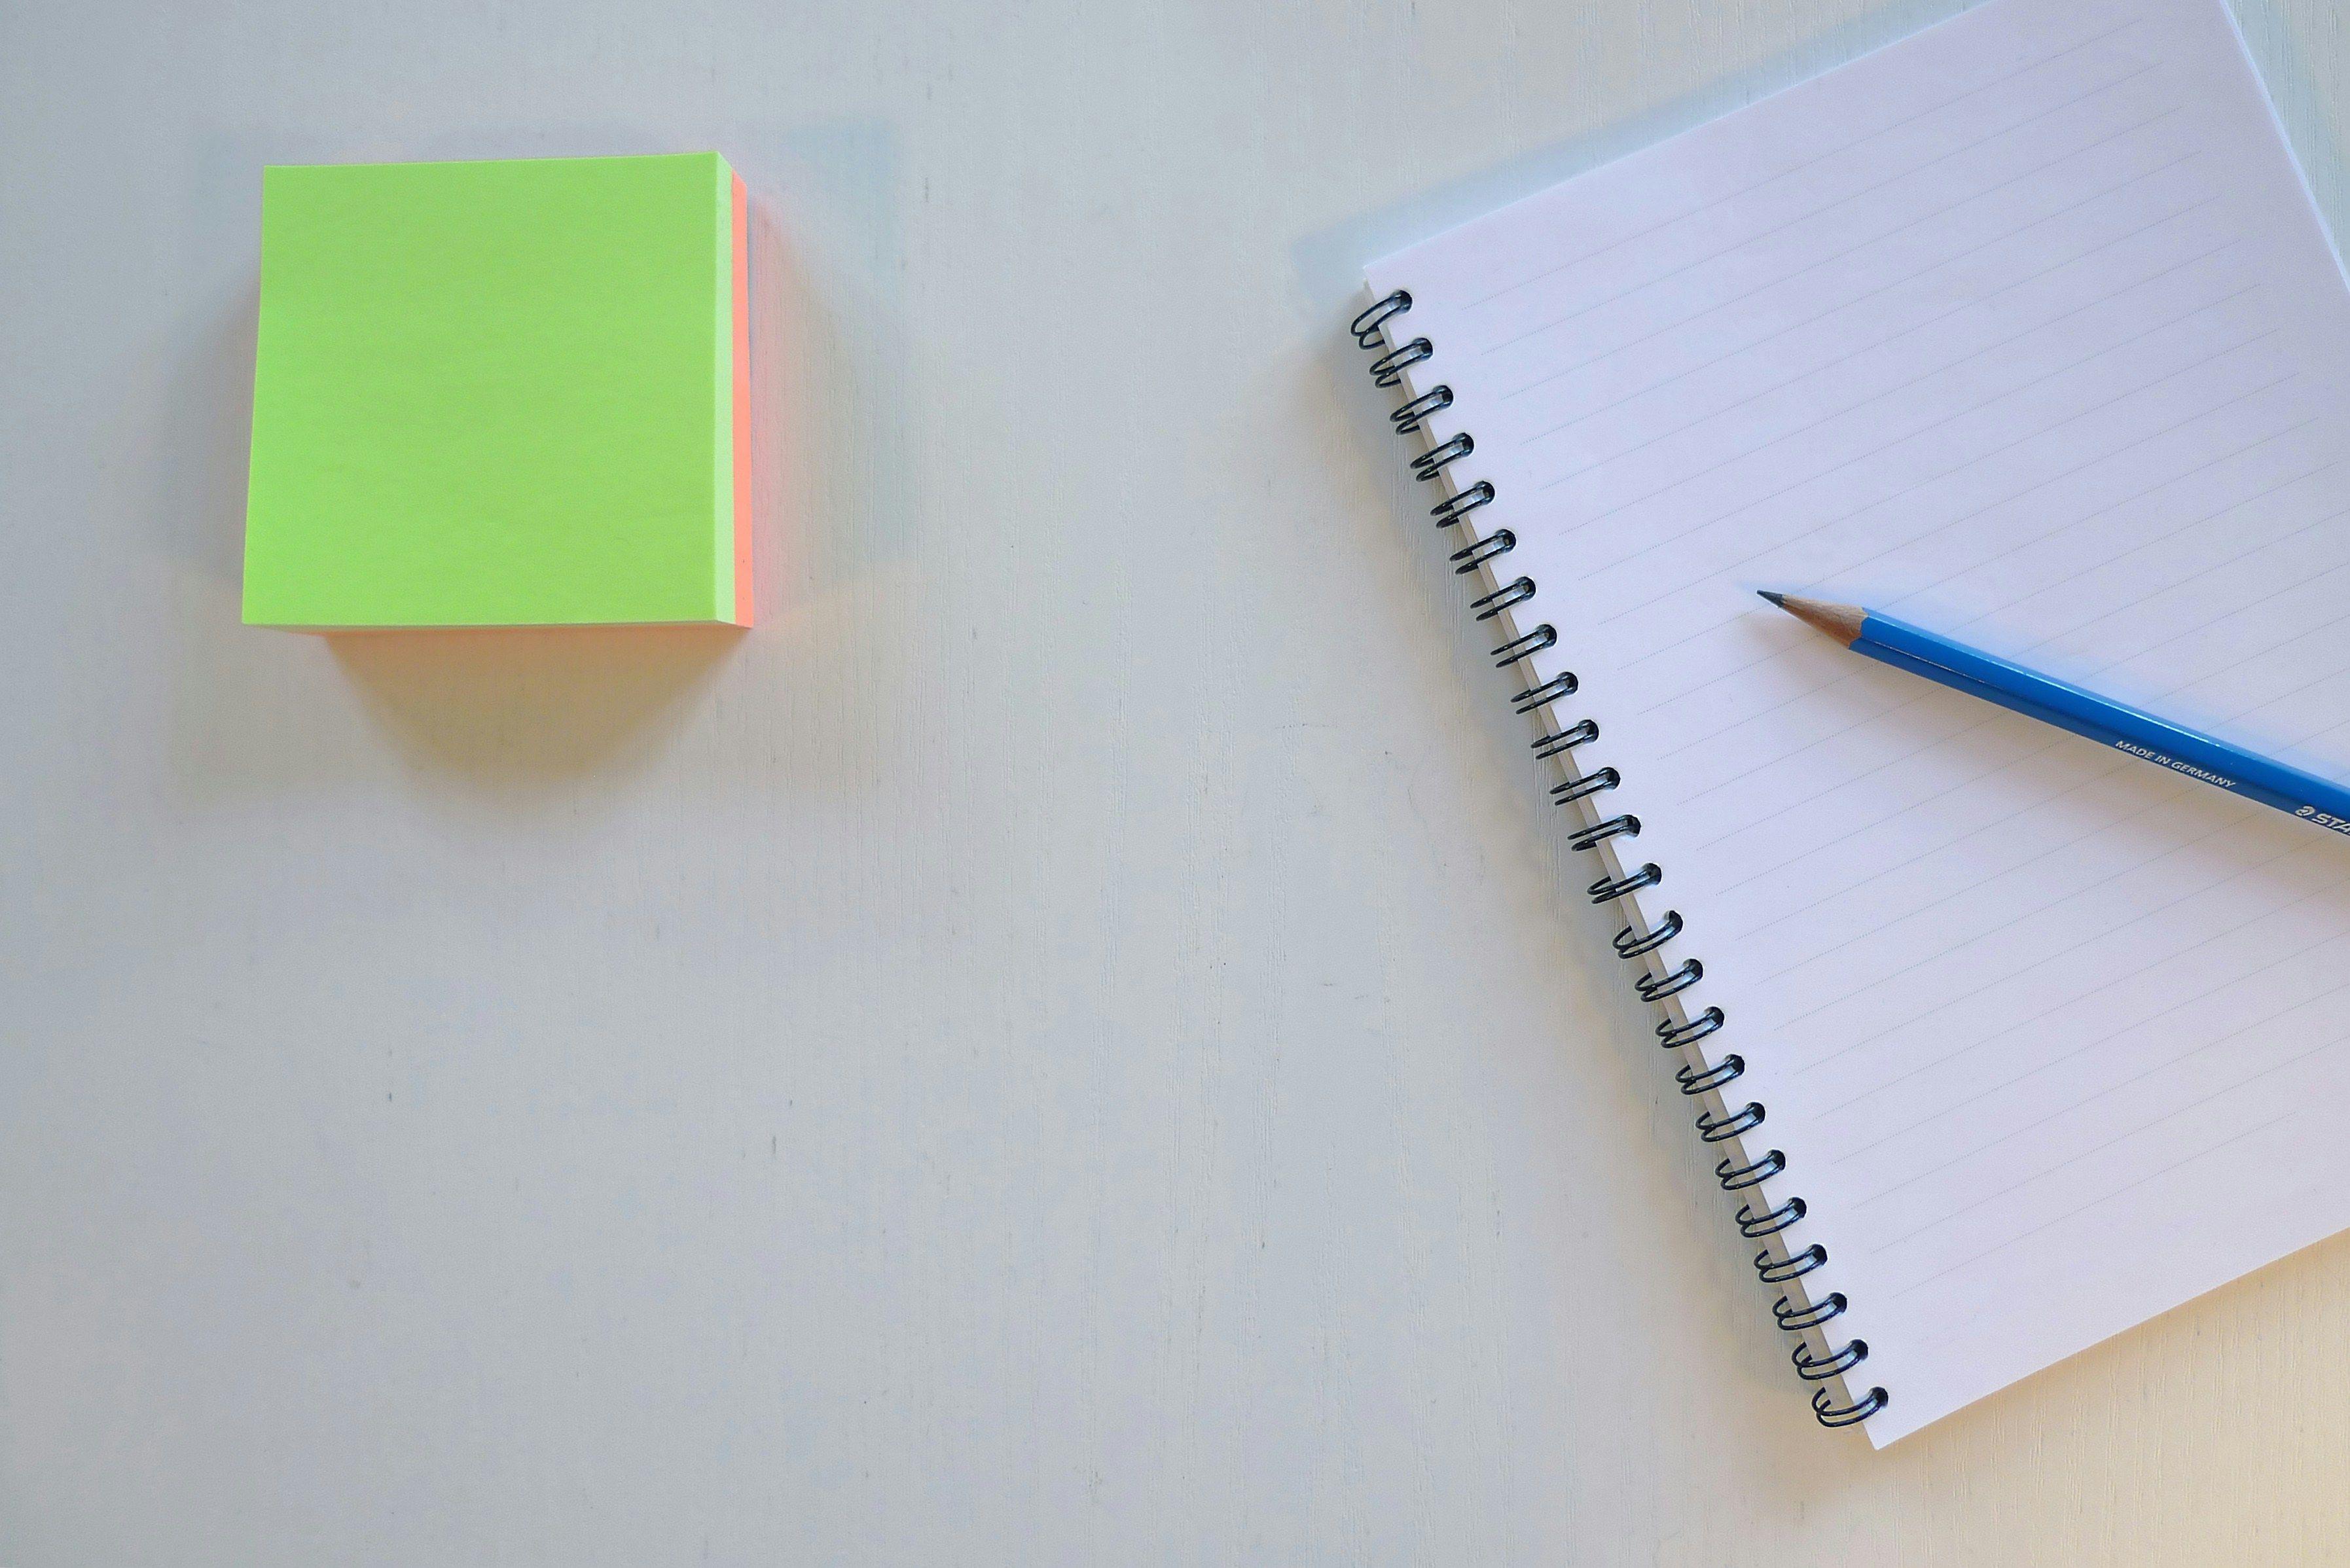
(496, 394)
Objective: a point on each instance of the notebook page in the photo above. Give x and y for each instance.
(2025, 330)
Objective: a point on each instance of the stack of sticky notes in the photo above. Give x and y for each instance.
(505, 393)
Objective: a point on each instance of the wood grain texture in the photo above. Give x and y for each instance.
(1071, 1042)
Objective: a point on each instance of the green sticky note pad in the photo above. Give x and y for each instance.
(503, 394)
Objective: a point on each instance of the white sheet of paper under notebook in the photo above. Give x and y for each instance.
(2025, 329)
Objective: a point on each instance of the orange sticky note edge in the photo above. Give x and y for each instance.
(742, 601)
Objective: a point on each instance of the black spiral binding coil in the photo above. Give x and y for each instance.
(1777, 1264)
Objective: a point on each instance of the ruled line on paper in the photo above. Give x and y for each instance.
(1955, 737)
(1871, 242)
(1887, 1244)
(1803, 644)
(1754, 715)
(1882, 343)
(1960, 309)
(2035, 330)
(2285, 961)
(2084, 1208)
(2246, 812)
(1745, 561)
(2071, 209)
(2017, 916)
(1555, 322)
(1836, 150)
(2022, 807)
(1832, 892)
(2030, 434)
(2334, 673)
(1790, 641)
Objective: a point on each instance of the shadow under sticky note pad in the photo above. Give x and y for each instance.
(527, 710)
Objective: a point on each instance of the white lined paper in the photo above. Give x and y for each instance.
(2052, 363)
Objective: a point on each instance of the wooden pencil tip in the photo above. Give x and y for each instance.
(1779, 600)
(1839, 621)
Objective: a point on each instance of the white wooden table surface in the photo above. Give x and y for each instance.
(1071, 1042)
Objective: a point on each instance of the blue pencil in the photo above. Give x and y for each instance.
(2068, 707)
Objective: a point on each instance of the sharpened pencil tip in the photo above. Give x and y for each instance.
(1842, 622)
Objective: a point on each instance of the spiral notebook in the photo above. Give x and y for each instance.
(2025, 328)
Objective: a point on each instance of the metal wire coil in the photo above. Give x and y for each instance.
(1638, 942)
